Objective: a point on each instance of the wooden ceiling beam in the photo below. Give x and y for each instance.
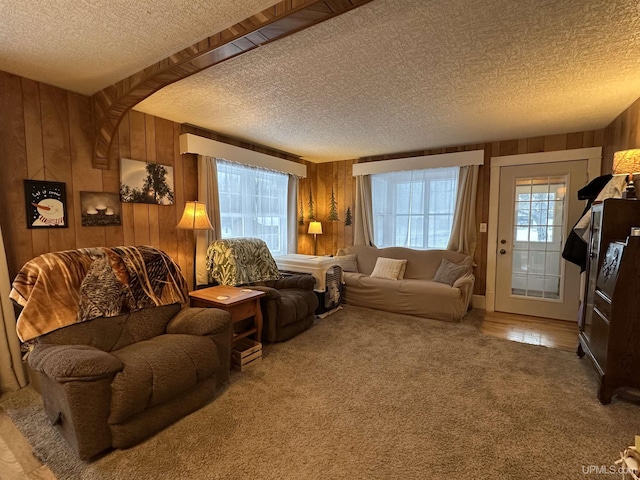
(111, 104)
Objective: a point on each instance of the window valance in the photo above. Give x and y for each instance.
(190, 143)
(455, 159)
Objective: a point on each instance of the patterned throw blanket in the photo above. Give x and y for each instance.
(239, 261)
(62, 288)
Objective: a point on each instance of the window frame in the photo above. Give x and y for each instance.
(427, 214)
(251, 214)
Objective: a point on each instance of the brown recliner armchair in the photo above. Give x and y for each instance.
(289, 306)
(111, 382)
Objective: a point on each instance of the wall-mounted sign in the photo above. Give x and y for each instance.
(46, 204)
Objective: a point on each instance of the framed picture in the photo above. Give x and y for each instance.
(142, 182)
(100, 209)
(46, 204)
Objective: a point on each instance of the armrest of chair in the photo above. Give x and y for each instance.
(303, 282)
(464, 281)
(271, 293)
(212, 322)
(64, 363)
(199, 321)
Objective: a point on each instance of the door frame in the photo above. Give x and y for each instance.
(593, 155)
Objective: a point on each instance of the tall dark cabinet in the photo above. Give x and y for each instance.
(610, 323)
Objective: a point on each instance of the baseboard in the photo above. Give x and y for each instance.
(479, 301)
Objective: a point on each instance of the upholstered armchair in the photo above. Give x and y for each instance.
(112, 381)
(289, 306)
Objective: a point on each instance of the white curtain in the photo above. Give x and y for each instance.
(463, 231)
(254, 203)
(245, 200)
(363, 215)
(292, 214)
(414, 208)
(207, 193)
(12, 374)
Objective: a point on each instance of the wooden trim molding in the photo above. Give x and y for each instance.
(111, 104)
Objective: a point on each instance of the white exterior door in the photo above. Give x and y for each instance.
(538, 206)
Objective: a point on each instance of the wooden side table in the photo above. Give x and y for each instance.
(241, 303)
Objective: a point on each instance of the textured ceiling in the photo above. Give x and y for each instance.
(390, 76)
(402, 75)
(86, 45)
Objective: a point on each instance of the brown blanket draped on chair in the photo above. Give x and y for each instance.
(61, 288)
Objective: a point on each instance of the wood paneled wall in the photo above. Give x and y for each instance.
(46, 135)
(324, 176)
(622, 134)
(321, 179)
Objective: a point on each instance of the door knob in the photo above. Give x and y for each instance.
(502, 251)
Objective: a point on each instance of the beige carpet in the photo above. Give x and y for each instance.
(371, 395)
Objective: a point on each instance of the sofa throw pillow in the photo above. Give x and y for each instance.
(448, 272)
(349, 263)
(402, 270)
(388, 268)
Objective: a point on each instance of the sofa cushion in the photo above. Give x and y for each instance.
(158, 370)
(413, 297)
(113, 333)
(448, 272)
(388, 268)
(403, 270)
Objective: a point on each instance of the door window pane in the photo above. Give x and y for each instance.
(539, 213)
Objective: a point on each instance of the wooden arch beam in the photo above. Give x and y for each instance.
(286, 17)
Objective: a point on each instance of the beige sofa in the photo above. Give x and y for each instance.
(416, 294)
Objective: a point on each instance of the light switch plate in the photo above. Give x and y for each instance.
(483, 228)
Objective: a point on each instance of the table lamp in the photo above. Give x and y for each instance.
(627, 162)
(194, 218)
(316, 229)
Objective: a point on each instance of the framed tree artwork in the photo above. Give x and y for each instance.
(46, 204)
(142, 182)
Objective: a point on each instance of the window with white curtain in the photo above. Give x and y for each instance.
(414, 208)
(253, 203)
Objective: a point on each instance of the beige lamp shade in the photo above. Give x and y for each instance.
(315, 228)
(195, 217)
(626, 161)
